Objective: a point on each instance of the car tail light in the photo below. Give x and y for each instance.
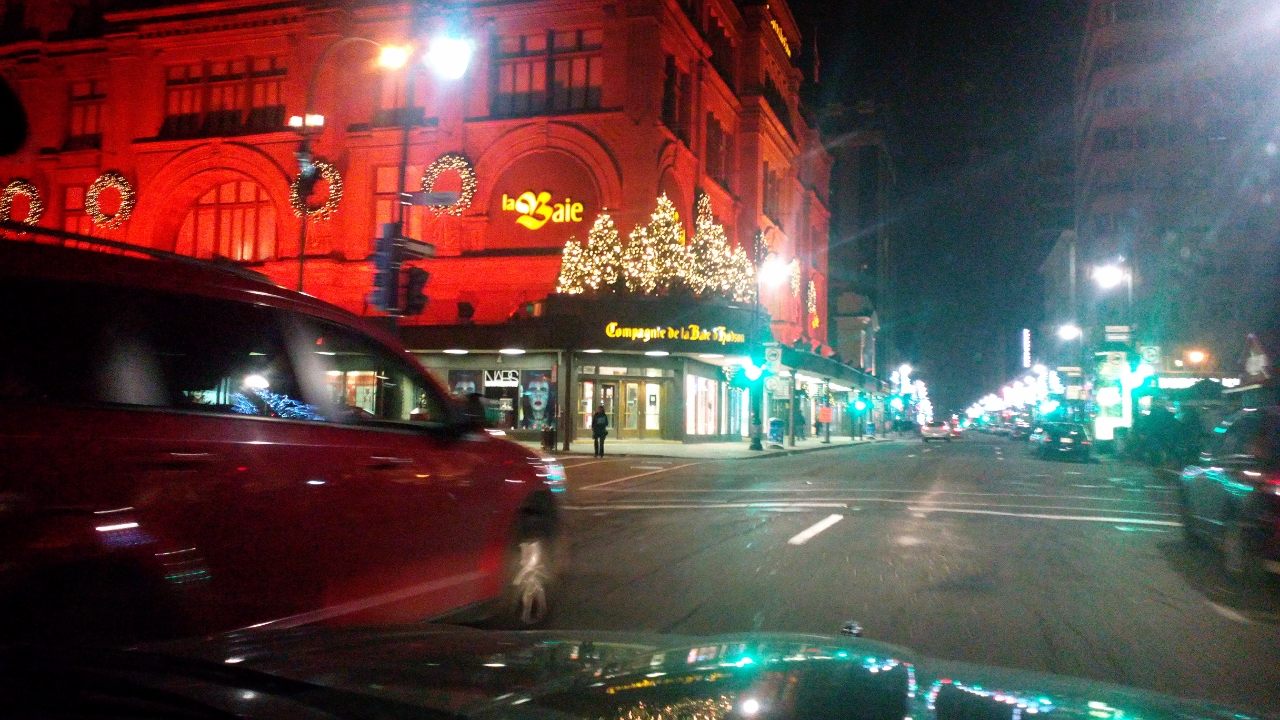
(1268, 483)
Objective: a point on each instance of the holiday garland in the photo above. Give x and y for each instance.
(812, 298)
(21, 187)
(128, 197)
(465, 170)
(299, 204)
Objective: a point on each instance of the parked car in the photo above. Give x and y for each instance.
(936, 430)
(193, 449)
(1061, 440)
(1231, 495)
(957, 431)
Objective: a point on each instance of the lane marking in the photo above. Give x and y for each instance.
(648, 467)
(1230, 614)
(805, 535)
(638, 475)
(1047, 516)
(891, 491)
(589, 462)
(711, 506)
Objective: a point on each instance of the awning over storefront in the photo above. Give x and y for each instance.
(612, 323)
(825, 368)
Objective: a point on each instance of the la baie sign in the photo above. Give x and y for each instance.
(719, 334)
(537, 209)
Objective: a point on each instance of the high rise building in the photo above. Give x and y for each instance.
(1177, 192)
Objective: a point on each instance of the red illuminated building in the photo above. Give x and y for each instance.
(601, 105)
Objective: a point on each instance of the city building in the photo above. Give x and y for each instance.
(1176, 192)
(181, 126)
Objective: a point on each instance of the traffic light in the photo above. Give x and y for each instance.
(414, 299)
(387, 260)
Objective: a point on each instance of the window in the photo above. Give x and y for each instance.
(570, 60)
(93, 344)
(677, 100)
(721, 51)
(84, 129)
(224, 97)
(773, 96)
(74, 218)
(386, 194)
(393, 108)
(701, 405)
(772, 189)
(235, 220)
(719, 152)
(362, 381)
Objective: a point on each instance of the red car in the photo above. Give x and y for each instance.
(185, 449)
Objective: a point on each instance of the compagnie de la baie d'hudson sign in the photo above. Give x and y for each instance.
(719, 334)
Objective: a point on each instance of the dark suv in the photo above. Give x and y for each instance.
(186, 449)
(1231, 495)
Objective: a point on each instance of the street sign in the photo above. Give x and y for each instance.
(773, 356)
(1150, 354)
(431, 199)
(417, 248)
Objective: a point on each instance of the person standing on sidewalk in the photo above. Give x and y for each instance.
(599, 430)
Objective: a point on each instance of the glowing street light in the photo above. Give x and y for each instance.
(1196, 357)
(449, 57)
(1108, 276)
(1069, 331)
(774, 272)
(393, 57)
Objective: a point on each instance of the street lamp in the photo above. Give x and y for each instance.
(393, 57)
(1108, 276)
(449, 57)
(1069, 332)
(1195, 357)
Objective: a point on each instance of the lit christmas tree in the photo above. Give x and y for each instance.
(571, 269)
(594, 266)
(717, 268)
(656, 257)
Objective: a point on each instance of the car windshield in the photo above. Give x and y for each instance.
(699, 336)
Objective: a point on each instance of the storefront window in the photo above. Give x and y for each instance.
(701, 406)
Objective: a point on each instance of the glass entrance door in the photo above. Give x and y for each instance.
(631, 420)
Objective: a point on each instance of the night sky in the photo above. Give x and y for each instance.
(976, 96)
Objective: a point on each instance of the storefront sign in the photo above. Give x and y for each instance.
(719, 334)
(537, 209)
(501, 378)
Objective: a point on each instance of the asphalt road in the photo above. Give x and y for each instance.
(970, 551)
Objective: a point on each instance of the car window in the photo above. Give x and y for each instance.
(362, 381)
(1236, 436)
(87, 343)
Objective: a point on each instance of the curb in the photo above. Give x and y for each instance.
(753, 456)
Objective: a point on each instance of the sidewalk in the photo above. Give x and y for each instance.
(703, 451)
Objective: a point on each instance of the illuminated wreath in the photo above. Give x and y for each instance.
(21, 187)
(110, 179)
(325, 211)
(452, 161)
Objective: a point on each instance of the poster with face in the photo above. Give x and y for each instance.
(464, 382)
(537, 399)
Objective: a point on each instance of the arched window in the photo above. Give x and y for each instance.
(235, 220)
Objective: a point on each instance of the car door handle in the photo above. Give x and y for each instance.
(384, 462)
(180, 460)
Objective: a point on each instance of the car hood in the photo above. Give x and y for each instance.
(448, 672)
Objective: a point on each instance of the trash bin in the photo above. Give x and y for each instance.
(549, 438)
(777, 427)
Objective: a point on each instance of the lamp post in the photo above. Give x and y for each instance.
(310, 124)
(771, 271)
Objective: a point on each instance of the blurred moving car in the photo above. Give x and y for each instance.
(188, 448)
(1020, 430)
(1061, 440)
(936, 430)
(957, 431)
(1231, 495)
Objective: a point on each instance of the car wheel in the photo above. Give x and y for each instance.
(1189, 532)
(1240, 556)
(525, 602)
